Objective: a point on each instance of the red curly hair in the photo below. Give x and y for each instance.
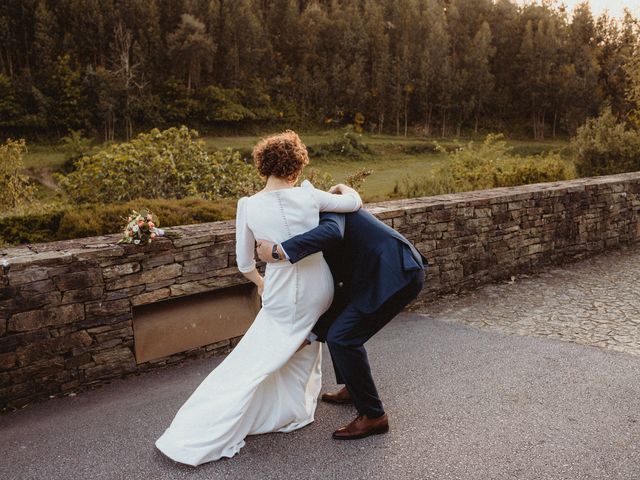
(282, 155)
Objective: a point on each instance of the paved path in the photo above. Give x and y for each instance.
(595, 302)
(465, 402)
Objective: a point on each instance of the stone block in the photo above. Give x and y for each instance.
(157, 260)
(108, 344)
(200, 265)
(118, 333)
(110, 362)
(193, 240)
(42, 368)
(188, 289)
(102, 321)
(78, 280)
(151, 297)
(40, 286)
(190, 254)
(163, 272)
(114, 356)
(7, 360)
(53, 346)
(107, 328)
(81, 296)
(76, 361)
(100, 254)
(123, 293)
(28, 275)
(107, 308)
(37, 319)
(120, 270)
(162, 284)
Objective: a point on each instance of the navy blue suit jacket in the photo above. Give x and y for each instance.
(369, 261)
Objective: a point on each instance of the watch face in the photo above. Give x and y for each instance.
(274, 253)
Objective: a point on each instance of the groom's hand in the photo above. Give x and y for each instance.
(304, 344)
(264, 249)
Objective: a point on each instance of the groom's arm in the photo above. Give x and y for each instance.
(326, 235)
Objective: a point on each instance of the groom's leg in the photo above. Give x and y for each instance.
(346, 338)
(336, 370)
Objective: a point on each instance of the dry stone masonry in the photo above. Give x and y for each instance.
(66, 308)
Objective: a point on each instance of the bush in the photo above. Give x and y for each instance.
(75, 146)
(603, 147)
(488, 165)
(15, 188)
(350, 145)
(159, 164)
(66, 223)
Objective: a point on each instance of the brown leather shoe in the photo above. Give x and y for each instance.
(362, 427)
(342, 396)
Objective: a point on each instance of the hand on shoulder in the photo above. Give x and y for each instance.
(342, 189)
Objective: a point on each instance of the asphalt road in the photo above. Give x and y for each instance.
(464, 403)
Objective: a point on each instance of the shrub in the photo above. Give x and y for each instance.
(66, 223)
(159, 164)
(357, 178)
(488, 165)
(15, 188)
(350, 145)
(603, 146)
(75, 146)
(320, 180)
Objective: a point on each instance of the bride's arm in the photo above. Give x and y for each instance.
(245, 244)
(340, 199)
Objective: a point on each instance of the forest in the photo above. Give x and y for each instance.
(114, 68)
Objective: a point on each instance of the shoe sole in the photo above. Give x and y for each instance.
(375, 431)
(337, 402)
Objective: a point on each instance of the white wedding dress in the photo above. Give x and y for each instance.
(264, 385)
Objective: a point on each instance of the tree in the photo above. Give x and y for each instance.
(191, 49)
(64, 98)
(378, 61)
(15, 189)
(10, 110)
(478, 60)
(125, 72)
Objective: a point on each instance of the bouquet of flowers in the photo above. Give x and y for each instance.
(141, 228)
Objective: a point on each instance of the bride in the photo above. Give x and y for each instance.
(266, 384)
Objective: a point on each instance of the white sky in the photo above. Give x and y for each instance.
(615, 7)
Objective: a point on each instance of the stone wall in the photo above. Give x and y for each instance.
(66, 320)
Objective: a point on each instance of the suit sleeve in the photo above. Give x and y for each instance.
(326, 235)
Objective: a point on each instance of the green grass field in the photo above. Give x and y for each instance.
(393, 159)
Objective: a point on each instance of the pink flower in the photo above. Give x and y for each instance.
(151, 224)
(140, 222)
(153, 235)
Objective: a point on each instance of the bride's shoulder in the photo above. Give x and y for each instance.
(306, 184)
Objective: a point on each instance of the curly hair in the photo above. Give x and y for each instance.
(282, 155)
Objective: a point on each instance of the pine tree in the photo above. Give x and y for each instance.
(191, 49)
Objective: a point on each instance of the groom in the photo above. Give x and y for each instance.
(376, 273)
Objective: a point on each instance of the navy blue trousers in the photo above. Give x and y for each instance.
(346, 338)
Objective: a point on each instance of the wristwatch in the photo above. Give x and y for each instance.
(274, 252)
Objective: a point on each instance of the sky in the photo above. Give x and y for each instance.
(615, 7)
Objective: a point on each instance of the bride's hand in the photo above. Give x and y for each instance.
(342, 189)
(261, 286)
